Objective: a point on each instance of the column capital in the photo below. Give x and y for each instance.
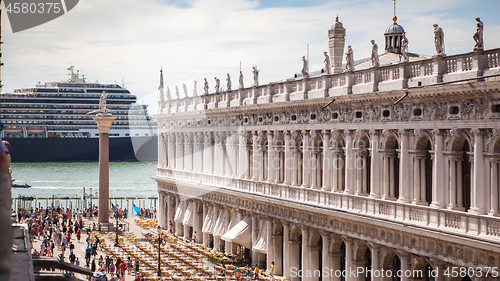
(477, 132)
(325, 132)
(417, 132)
(374, 246)
(403, 132)
(386, 132)
(437, 132)
(347, 239)
(348, 133)
(374, 132)
(335, 132)
(304, 227)
(325, 233)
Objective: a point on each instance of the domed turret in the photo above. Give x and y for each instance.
(393, 35)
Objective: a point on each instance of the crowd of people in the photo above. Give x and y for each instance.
(53, 229)
(146, 213)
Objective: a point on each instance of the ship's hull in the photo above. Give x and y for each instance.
(82, 149)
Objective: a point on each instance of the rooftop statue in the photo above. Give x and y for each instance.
(438, 39)
(185, 90)
(102, 111)
(228, 79)
(177, 92)
(327, 63)
(217, 85)
(195, 91)
(255, 72)
(478, 36)
(404, 48)
(241, 80)
(168, 94)
(375, 61)
(305, 68)
(205, 87)
(349, 57)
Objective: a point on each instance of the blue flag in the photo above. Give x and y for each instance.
(113, 207)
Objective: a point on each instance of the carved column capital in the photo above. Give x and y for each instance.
(325, 233)
(477, 132)
(437, 132)
(374, 132)
(348, 133)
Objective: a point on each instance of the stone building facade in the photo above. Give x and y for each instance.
(388, 169)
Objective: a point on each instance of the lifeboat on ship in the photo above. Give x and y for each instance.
(35, 130)
(13, 130)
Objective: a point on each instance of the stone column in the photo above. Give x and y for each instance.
(270, 244)
(494, 188)
(196, 222)
(242, 153)
(162, 138)
(375, 250)
(218, 160)
(327, 162)
(326, 257)
(437, 171)
(349, 163)
(416, 180)
(207, 162)
(187, 153)
(404, 258)
(478, 187)
(161, 206)
(255, 222)
(359, 174)
(286, 250)
(453, 184)
(386, 193)
(179, 230)
(349, 266)
(423, 181)
(375, 165)
(404, 167)
(392, 179)
(306, 166)
(256, 163)
(177, 151)
(104, 126)
(305, 251)
(335, 171)
(288, 159)
(196, 157)
(295, 169)
(271, 171)
(170, 151)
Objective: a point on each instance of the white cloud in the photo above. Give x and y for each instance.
(110, 40)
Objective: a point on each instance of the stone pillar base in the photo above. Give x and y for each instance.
(106, 227)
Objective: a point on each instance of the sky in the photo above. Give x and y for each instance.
(130, 41)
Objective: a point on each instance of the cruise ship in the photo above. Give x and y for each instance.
(49, 122)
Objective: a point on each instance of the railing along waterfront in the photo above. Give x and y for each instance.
(29, 202)
(445, 220)
(392, 77)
